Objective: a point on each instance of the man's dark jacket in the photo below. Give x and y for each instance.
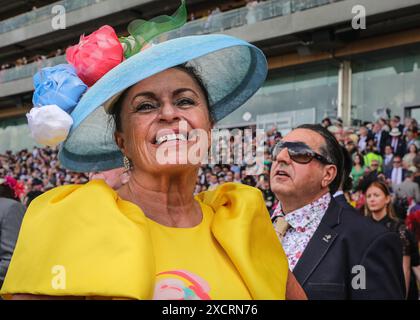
(383, 141)
(401, 147)
(342, 201)
(344, 242)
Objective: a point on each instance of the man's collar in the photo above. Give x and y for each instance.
(302, 216)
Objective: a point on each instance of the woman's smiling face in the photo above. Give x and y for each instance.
(159, 113)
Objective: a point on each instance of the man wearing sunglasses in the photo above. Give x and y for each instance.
(333, 252)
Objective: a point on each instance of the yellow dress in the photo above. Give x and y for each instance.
(84, 240)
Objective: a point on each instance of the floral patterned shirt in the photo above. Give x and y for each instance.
(303, 224)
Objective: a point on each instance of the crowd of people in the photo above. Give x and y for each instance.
(33, 172)
(318, 212)
(383, 156)
(38, 58)
(383, 150)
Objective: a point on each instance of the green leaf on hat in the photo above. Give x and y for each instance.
(142, 31)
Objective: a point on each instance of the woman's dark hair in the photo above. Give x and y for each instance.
(7, 192)
(347, 181)
(370, 139)
(417, 149)
(331, 150)
(116, 109)
(362, 160)
(329, 123)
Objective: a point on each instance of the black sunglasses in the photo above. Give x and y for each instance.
(299, 152)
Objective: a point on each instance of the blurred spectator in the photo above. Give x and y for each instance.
(251, 16)
(358, 170)
(351, 147)
(213, 182)
(342, 196)
(396, 142)
(237, 177)
(363, 136)
(11, 215)
(397, 174)
(408, 124)
(388, 159)
(249, 180)
(217, 24)
(371, 154)
(208, 23)
(338, 131)
(413, 221)
(396, 123)
(381, 137)
(411, 137)
(326, 122)
(379, 208)
(370, 175)
(409, 157)
(407, 192)
(384, 124)
(264, 185)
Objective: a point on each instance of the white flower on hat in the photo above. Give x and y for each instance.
(49, 124)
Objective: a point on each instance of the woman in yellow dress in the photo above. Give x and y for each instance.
(152, 238)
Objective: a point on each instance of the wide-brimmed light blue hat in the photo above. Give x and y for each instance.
(232, 70)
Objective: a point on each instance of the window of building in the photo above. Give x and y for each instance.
(383, 85)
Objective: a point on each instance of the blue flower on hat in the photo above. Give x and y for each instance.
(58, 85)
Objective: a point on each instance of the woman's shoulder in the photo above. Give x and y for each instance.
(91, 189)
(403, 233)
(409, 156)
(398, 226)
(94, 202)
(240, 218)
(82, 228)
(98, 185)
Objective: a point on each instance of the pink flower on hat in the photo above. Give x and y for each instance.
(95, 54)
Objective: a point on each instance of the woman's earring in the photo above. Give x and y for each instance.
(127, 163)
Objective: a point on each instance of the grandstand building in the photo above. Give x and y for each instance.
(351, 59)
